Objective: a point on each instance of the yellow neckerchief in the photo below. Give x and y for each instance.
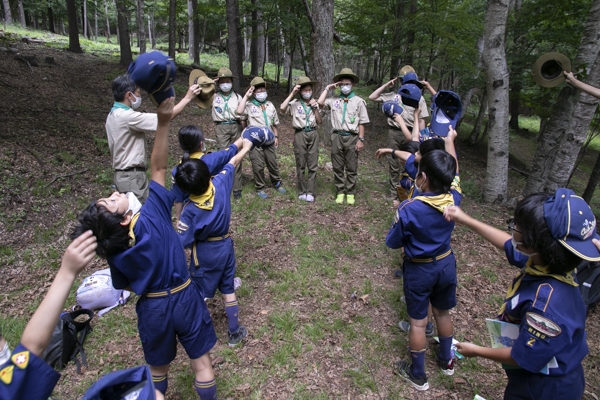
(131, 225)
(197, 155)
(205, 200)
(534, 270)
(440, 202)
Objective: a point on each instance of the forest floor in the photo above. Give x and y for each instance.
(319, 296)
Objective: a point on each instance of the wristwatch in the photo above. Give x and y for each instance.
(362, 139)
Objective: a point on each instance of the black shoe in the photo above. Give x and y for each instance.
(403, 370)
(237, 194)
(447, 367)
(236, 338)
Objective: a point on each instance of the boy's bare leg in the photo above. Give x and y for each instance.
(204, 384)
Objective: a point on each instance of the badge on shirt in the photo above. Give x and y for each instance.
(336, 104)
(254, 110)
(300, 110)
(541, 327)
(6, 374)
(397, 98)
(218, 100)
(21, 359)
(352, 119)
(181, 227)
(219, 110)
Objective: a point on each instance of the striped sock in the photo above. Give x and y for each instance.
(161, 383)
(231, 309)
(206, 390)
(445, 346)
(418, 363)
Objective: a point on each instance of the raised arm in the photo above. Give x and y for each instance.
(192, 92)
(493, 235)
(286, 102)
(160, 152)
(323, 95)
(377, 93)
(400, 154)
(429, 87)
(38, 331)
(576, 83)
(449, 144)
(242, 105)
(246, 146)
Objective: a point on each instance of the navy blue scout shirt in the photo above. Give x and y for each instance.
(421, 228)
(551, 315)
(26, 376)
(214, 161)
(198, 224)
(156, 261)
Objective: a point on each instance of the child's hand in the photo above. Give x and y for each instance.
(396, 203)
(467, 349)
(193, 91)
(391, 83)
(246, 144)
(596, 243)
(454, 213)
(249, 92)
(296, 89)
(569, 77)
(382, 152)
(165, 110)
(452, 134)
(332, 86)
(313, 103)
(79, 253)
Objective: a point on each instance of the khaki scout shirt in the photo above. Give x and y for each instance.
(126, 130)
(225, 110)
(256, 117)
(298, 113)
(409, 112)
(356, 113)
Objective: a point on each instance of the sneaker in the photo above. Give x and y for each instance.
(404, 326)
(402, 368)
(399, 274)
(302, 197)
(340, 198)
(447, 367)
(237, 194)
(280, 188)
(236, 338)
(262, 194)
(310, 198)
(350, 199)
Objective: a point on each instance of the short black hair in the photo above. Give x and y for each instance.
(430, 145)
(112, 237)
(121, 85)
(440, 168)
(190, 138)
(410, 146)
(529, 217)
(192, 176)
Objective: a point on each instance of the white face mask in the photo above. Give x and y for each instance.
(134, 204)
(137, 103)
(346, 89)
(419, 188)
(306, 95)
(515, 244)
(225, 87)
(262, 96)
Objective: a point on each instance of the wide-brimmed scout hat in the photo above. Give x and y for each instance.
(548, 70)
(204, 99)
(225, 73)
(405, 70)
(258, 81)
(154, 72)
(346, 73)
(305, 80)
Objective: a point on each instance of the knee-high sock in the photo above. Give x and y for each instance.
(161, 383)
(231, 309)
(445, 348)
(206, 390)
(418, 362)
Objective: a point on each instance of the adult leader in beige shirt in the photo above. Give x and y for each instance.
(126, 131)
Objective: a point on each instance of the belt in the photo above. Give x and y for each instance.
(135, 169)
(345, 133)
(428, 260)
(217, 238)
(230, 122)
(305, 129)
(170, 291)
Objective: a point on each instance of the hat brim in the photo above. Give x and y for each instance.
(555, 62)
(339, 77)
(585, 250)
(307, 83)
(228, 76)
(161, 95)
(194, 75)
(193, 80)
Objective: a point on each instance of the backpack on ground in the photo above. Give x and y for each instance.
(97, 292)
(67, 339)
(588, 277)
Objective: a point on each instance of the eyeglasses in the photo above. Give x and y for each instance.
(511, 226)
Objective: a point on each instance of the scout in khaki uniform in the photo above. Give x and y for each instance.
(261, 112)
(348, 117)
(396, 135)
(228, 122)
(305, 117)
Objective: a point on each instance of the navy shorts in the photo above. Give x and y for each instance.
(212, 266)
(525, 385)
(179, 316)
(425, 282)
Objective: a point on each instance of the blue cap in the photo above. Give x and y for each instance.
(390, 108)
(411, 94)
(260, 136)
(135, 383)
(411, 77)
(572, 223)
(154, 72)
(446, 110)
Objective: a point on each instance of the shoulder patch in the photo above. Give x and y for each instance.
(21, 359)
(542, 325)
(6, 374)
(224, 172)
(181, 227)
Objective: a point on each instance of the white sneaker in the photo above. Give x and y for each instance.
(302, 197)
(310, 198)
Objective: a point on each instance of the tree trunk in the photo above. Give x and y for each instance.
(565, 131)
(191, 12)
(235, 45)
(124, 43)
(514, 104)
(194, 31)
(96, 20)
(172, 27)
(107, 22)
(85, 20)
(466, 98)
(141, 26)
(592, 182)
(21, 14)
(257, 44)
(73, 29)
(247, 42)
(7, 15)
(494, 57)
(290, 83)
(51, 20)
(44, 22)
(479, 121)
(150, 37)
(304, 57)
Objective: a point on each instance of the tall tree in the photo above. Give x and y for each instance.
(494, 57)
(235, 46)
(321, 38)
(257, 44)
(51, 20)
(172, 27)
(73, 29)
(107, 22)
(194, 28)
(123, 31)
(21, 14)
(7, 15)
(566, 130)
(85, 20)
(141, 26)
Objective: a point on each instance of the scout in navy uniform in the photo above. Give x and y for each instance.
(145, 256)
(261, 112)
(551, 234)
(204, 227)
(305, 118)
(25, 375)
(348, 119)
(429, 264)
(191, 141)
